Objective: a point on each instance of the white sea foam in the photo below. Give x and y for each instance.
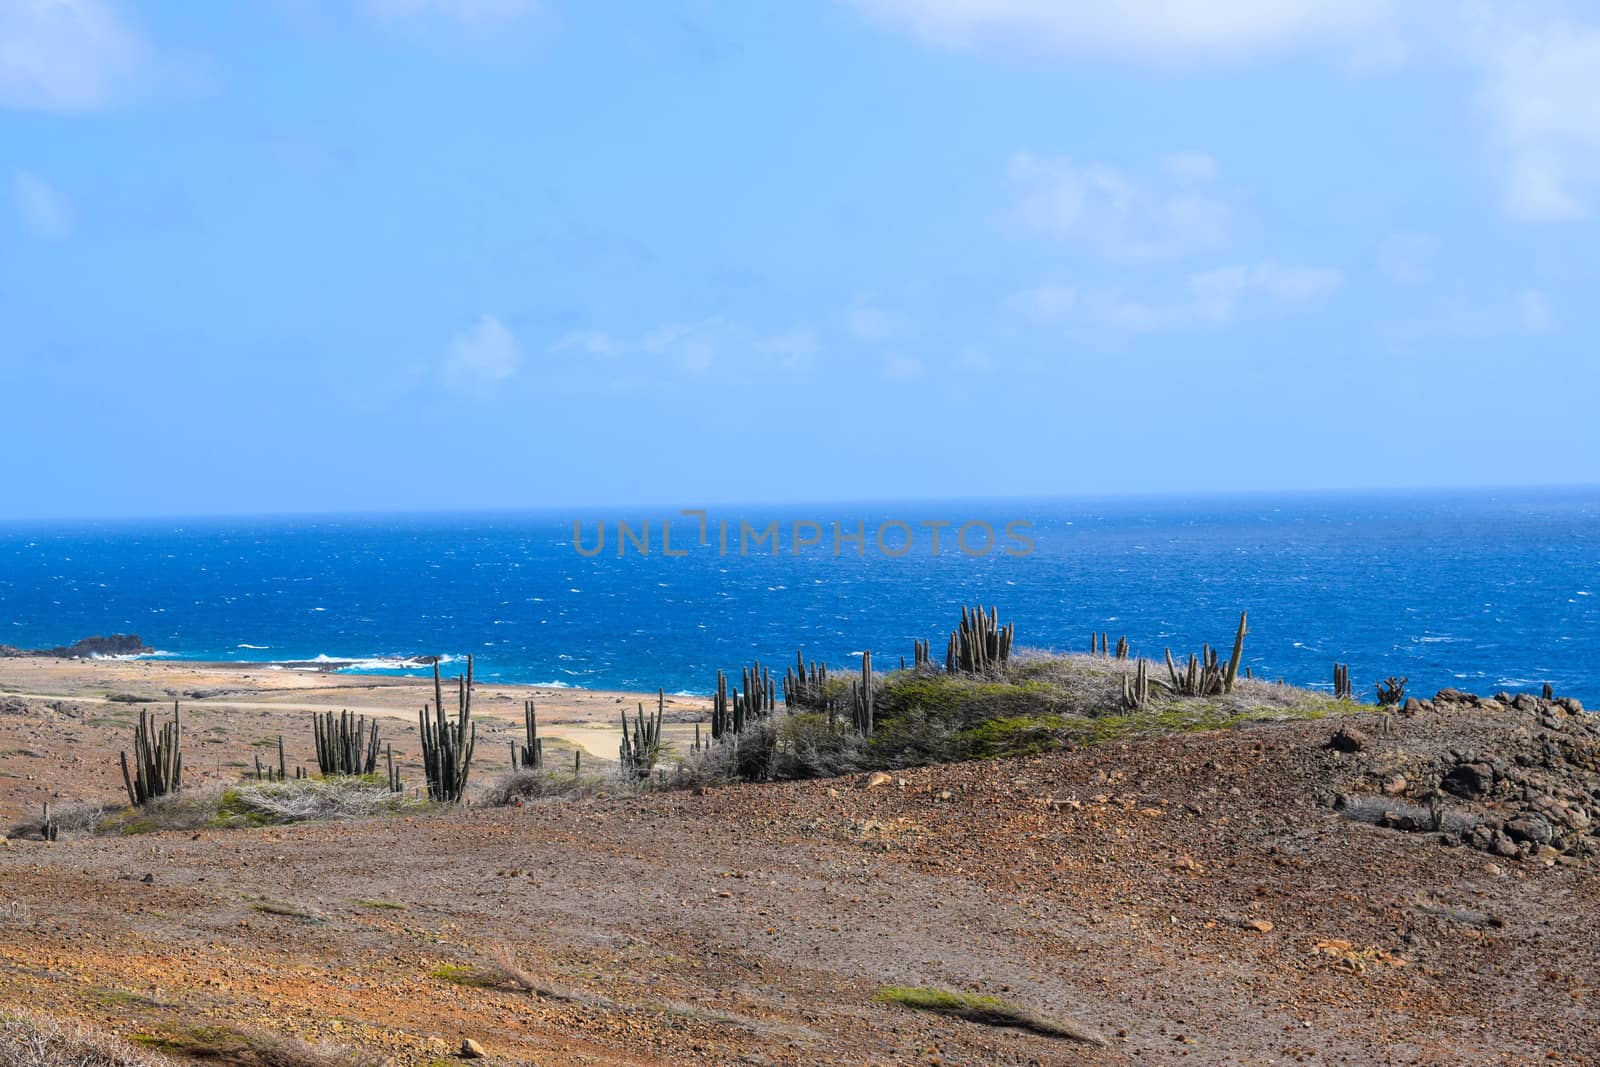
(256, 647)
(553, 685)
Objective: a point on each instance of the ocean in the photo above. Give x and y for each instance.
(1483, 590)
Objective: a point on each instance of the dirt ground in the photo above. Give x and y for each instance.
(1195, 898)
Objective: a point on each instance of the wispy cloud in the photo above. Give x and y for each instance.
(1126, 218)
(68, 55)
(1541, 84)
(1137, 29)
(1204, 300)
(470, 13)
(43, 209)
(481, 356)
(694, 347)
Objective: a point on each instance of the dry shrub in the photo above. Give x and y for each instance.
(30, 1040)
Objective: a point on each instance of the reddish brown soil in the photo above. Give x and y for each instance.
(1195, 898)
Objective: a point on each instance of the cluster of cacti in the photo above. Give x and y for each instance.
(1341, 682)
(861, 698)
(157, 759)
(346, 744)
(642, 746)
(1206, 675)
(530, 756)
(980, 644)
(268, 773)
(1100, 645)
(49, 830)
(394, 772)
(1392, 691)
(1548, 692)
(1136, 690)
(920, 655)
(757, 700)
(446, 745)
(805, 686)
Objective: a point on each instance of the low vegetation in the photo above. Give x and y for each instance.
(38, 1041)
(988, 1011)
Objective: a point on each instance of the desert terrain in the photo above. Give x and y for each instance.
(1242, 896)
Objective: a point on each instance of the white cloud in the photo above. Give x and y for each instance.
(1123, 218)
(589, 342)
(1139, 29)
(67, 55)
(481, 356)
(1190, 166)
(1541, 84)
(899, 367)
(1209, 299)
(1048, 302)
(872, 324)
(470, 13)
(43, 209)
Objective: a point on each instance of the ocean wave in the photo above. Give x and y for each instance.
(258, 648)
(152, 654)
(554, 685)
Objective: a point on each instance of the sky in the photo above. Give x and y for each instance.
(333, 255)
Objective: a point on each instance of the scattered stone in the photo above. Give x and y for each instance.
(1394, 785)
(1468, 780)
(876, 780)
(1260, 926)
(471, 1050)
(1347, 739)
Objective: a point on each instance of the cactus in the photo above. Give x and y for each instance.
(920, 655)
(729, 714)
(862, 700)
(345, 745)
(267, 774)
(1341, 682)
(1206, 676)
(530, 756)
(1136, 691)
(157, 760)
(1391, 691)
(49, 830)
(1122, 647)
(805, 686)
(447, 746)
(642, 747)
(1548, 692)
(394, 772)
(981, 644)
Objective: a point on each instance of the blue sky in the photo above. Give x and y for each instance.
(396, 254)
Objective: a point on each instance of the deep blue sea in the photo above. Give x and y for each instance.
(1484, 590)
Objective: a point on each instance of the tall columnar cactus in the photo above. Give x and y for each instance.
(862, 700)
(1238, 654)
(641, 746)
(1206, 675)
(345, 744)
(980, 644)
(530, 756)
(157, 759)
(805, 685)
(1136, 690)
(732, 711)
(394, 771)
(921, 655)
(1122, 647)
(1341, 682)
(446, 745)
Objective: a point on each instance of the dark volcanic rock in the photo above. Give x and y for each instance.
(1468, 780)
(115, 645)
(1347, 739)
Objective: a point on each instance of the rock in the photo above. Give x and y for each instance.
(1522, 701)
(944, 794)
(1490, 707)
(1347, 739)
(876, 780)
(1260, 926)
(1530, 827)
(1571, 705)
(1394, 785)
(1411, 707)
(1468, 780)
(1454, 696)
(471, 1050)
(1503, 697)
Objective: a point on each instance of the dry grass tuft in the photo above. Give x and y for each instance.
(989, 1011)
(37, 1041)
